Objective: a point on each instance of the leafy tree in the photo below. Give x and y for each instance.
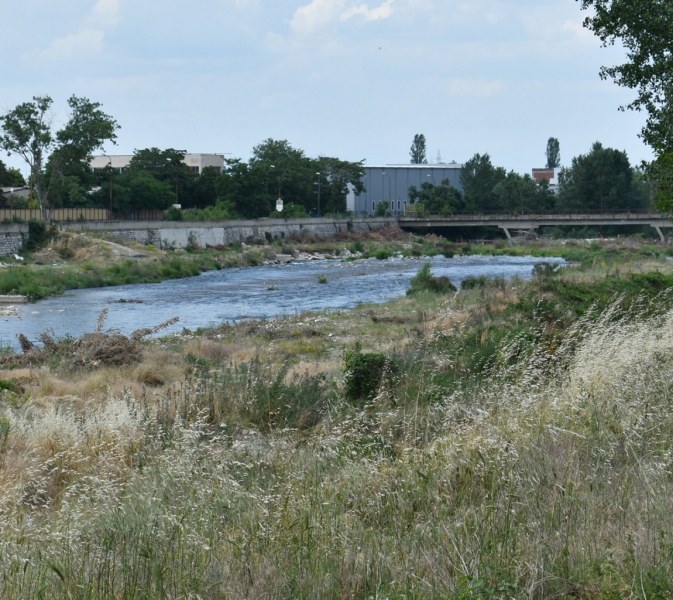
(553, 153)
(418, 150)
(479, 178)
(166, 166)
(247, 192)
(277, 169)
(10, 177)
(517, 193)
(662, 172)
(439, 199)
(603, 179)
(337, 177)
(288, 172)
(141, 190)
(27, 132)
(645, 29)
(203, 189)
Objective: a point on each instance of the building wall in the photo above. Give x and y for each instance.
(391, 183)
(196, 162)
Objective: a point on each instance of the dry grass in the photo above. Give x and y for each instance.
(188, 475)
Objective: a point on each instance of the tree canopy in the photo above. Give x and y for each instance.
(553, 153)
(27, 132)
(10, 177)
(602, 179)
(417, 152)
(645, 28)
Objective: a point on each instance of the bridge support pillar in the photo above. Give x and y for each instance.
(507, 233)
(661, 235)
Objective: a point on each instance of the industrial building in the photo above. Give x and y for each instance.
(390, 184)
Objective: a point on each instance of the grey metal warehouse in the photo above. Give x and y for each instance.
(391, 183)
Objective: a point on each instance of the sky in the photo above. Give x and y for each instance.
(353, 79)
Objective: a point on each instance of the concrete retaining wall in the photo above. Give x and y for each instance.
(11, 238)
(178, 234)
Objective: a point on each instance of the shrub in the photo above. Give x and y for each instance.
(424, 280)
(481, 281)
(38, 235)
(364, 372)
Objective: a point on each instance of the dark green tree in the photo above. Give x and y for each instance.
(248, 191)
(10, 177)
(334, 179)
(438, 199)
(645, 29)
(517, 193)
(418, 150)
(479, 178)
(290, 173)
(553, 153)
(137, 190)
(602, 179)
(27, 132)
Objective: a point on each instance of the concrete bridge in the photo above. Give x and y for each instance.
(509, 222)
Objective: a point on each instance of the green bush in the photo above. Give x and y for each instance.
(424, 280)
(38, 235)
(364, 372)
(481, 281)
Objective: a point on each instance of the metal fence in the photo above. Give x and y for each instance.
(70, 215)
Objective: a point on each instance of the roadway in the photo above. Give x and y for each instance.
(509, 222)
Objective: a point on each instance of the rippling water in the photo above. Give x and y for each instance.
(250, 292)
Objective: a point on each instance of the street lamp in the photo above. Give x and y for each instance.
(319, 184)
(109, 170)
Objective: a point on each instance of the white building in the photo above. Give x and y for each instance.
(196, 162)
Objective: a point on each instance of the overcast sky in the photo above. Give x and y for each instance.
(355, 79)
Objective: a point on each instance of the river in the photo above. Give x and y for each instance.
(230, 295)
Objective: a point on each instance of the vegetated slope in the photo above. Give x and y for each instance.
(515, 443)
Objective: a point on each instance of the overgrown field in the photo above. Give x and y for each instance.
(507, 440)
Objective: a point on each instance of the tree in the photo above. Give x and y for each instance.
(602, 179)
(140, 190)
(27, 132)
(166, 166)
(10, 177)
(418, 150)
(553, 153)
(517, 193)
(645, 29)
(336, 178)
(439, 199)
(479, 178)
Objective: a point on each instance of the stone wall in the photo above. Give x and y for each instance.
(180, 234)
(11, 238)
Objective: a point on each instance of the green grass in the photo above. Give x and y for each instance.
(42, 282)
(519, 447)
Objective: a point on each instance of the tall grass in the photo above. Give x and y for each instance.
(548, 474)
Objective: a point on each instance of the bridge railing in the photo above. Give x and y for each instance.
(514, 215)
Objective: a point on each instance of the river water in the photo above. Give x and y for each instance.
(230, 295)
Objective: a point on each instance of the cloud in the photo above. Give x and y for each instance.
(314, 15)
(89, 40)
(106, 12)
(82, 44)
(319, 13)
(383, 11)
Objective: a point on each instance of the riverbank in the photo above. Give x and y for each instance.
(510, 439)
(76, 260)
